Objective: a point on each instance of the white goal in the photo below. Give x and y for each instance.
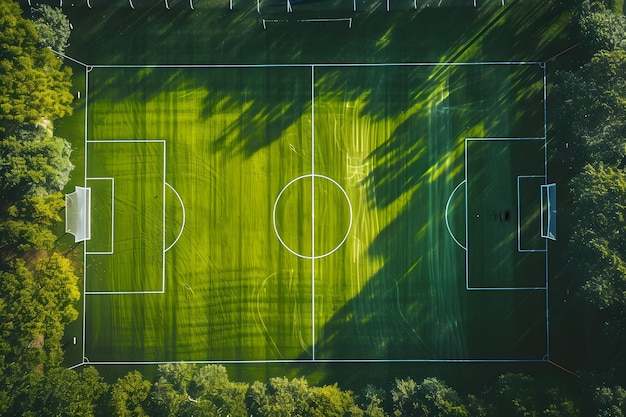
(78, 214)
(548, 211)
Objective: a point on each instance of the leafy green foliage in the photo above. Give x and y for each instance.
(129, 395)
(430, 398)
(598, 240)
(522, 395)
(372, 405)
(35, 84)
(285, 397)
(36, 303)
(600, 27)
(590, 108)
(33, 162)
(66, 392)
(18, 237)
(610, 401)
(53, 27)
(185, 389)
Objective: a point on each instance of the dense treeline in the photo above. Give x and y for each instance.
(589, 106)
(38, 286)
(191, 390)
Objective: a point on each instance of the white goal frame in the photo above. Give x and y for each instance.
(82, 196)
(548, 229)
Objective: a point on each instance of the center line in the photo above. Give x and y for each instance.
(313, 211)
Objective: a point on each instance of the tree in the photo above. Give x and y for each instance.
(610, 401)
(402, 395)
(430, 398)
(69, 393)
(590, 109)
(601, 28)
(185, 389)
(331, 401)
(129, 395)
(18, 237)
(53, 27)
(373, 402)
(33, 162)
(281, 397)
(34, 83)
(36, 302)
(522, 395)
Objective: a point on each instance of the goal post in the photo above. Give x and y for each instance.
(548, 211)
(78, 214)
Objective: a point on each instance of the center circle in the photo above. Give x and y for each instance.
(296, 208)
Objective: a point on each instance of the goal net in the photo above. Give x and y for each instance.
(78, 214)
(548, 211)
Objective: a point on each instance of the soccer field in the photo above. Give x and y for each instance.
(323, 212)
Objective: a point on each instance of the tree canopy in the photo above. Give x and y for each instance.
(599, 236)
(53, 27)
(33, 162)
(35, 84)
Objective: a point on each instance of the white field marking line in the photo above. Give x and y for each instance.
(541, 213)
(132, 6)
(123, 292)
(506, 289)
(545, 151)
(330, 65)
(446, 215)
(466, 221)
(163, 206)
(162, 290)
(112, 180)
(500, 139)
(305, 361)
(325, 65)
(69, 58)
(167, 6)
(324, 20)
(182, 227)
(313, 211)
(87, 70)
(313, 253)
(545, 110)
(519, 216)
(127, 141)
(467, 286)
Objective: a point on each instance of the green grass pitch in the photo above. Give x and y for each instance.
(264, 213)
